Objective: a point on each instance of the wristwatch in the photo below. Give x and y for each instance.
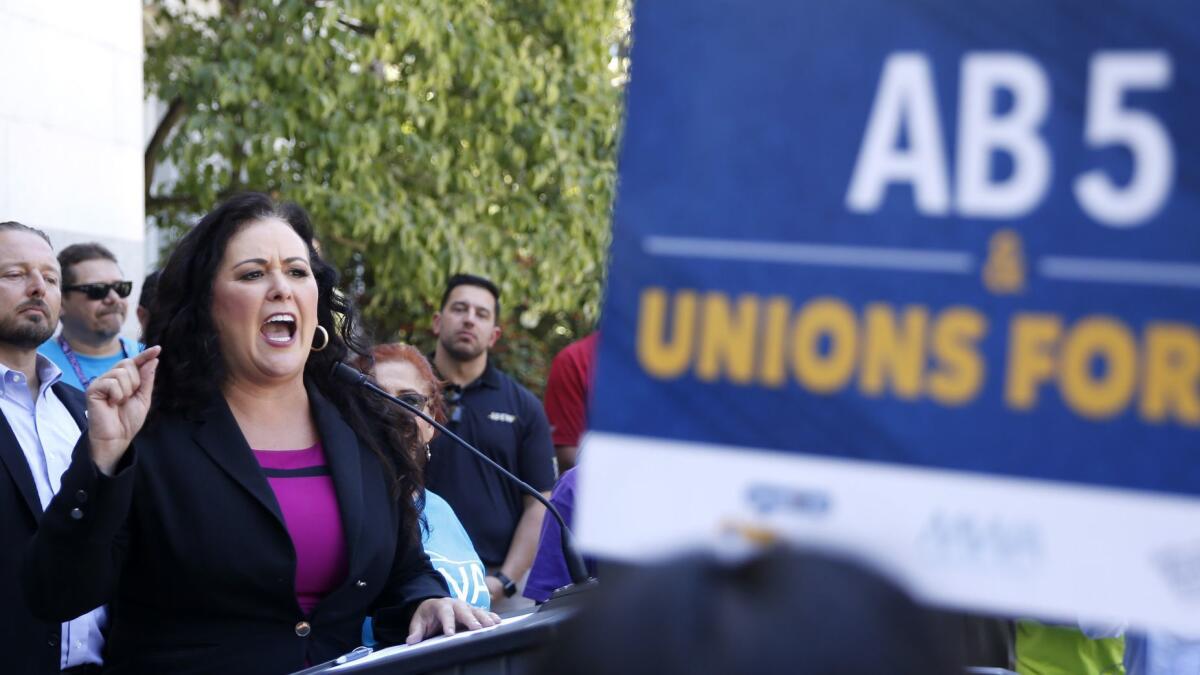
(509, 586)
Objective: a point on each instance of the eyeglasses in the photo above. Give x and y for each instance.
(453, 396)
(414, 399)
(100, 291)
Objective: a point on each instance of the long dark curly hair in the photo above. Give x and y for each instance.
(192, 370)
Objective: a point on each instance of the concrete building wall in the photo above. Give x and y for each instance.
(71, 124)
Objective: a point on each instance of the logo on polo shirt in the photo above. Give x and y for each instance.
(502, 417)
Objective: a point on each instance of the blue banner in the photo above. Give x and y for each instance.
(953, 234)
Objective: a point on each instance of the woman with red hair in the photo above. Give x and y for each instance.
(404, 372)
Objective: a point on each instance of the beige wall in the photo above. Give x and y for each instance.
(71, 123)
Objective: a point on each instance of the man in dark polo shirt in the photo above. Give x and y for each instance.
(501, 418)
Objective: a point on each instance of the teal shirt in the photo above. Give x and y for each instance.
(92, 366)
(452, 553)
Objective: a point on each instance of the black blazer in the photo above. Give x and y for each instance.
(27, 644)
(188, 546)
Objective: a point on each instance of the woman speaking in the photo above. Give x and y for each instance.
(263, 510)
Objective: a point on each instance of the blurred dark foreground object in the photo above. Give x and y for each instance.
(781, 611)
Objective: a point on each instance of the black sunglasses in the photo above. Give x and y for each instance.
(100, 291)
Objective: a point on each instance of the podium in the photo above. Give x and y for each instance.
(514, 648)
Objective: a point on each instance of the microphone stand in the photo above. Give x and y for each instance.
(575, 565)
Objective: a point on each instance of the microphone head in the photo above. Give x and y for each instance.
(347, 374)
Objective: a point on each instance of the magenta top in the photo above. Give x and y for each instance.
(304, 490)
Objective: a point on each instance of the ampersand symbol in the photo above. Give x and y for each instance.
(1004, 269)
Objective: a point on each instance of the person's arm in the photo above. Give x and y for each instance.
(411, 580)
(415, 605)
(567, 456)
(535, 465)
(565, 404)
(522, 548)
(549, 570)
(73, 563)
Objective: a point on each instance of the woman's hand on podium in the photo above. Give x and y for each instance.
(444, 615)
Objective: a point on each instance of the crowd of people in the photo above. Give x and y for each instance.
(218, 501)
(213, 499)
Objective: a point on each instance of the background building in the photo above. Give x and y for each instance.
(71, 124)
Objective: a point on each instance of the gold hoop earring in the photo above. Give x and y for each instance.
(326, 342)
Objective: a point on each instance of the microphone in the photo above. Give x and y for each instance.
(348, 374)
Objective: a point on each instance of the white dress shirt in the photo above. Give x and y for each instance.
(47, 434)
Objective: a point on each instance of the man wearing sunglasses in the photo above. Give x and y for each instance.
(94, 304)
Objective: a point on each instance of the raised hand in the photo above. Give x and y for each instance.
(117, 403)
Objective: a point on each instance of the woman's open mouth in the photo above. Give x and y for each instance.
(279, 329)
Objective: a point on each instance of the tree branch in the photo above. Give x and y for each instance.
(360, 28)
(175, 112)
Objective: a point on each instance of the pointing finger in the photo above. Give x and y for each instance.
(147, 371)
(146, 356)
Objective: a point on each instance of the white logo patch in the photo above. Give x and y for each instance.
(502, 417)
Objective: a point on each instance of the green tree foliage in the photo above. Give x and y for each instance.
(425, 137)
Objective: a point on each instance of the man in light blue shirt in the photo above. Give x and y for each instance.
(41, 420)
(94, 304)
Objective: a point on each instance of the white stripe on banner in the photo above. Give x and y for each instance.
(1110, 271)
(1015, 547)
(826, 255)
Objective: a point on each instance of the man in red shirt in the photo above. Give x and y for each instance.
(566, 399)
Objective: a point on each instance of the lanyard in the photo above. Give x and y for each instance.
(84, 380)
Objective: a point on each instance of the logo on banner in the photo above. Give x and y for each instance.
(1180, 568)
(767, 499)
(961, 538)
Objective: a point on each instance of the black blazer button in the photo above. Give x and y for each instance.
(303, 629)
(53, 641)
(360, 583)
(81, 496)
(76, 514)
